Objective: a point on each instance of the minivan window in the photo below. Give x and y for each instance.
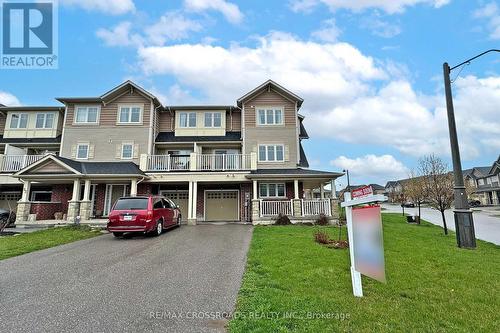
(158, 204)
(132, 204)
(166, 203)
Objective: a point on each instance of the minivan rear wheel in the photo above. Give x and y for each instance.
(179, 221)
(159, 228)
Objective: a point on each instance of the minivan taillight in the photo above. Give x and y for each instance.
(149, 216)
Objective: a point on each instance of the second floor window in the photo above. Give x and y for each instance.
(19, 120)
(213, 119)
(127, 151)
(129, 115)
(271, 153)
(87, 115)
(270, 116)
(44, 120)
(82, 151)
(187, 119)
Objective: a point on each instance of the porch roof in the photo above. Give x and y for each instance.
(297, 173)
(55, 140)
(170, 137)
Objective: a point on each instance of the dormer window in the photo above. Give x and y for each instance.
(187, 119)
(213, 119)
(19, 120)
(44, 120)
(269, 116)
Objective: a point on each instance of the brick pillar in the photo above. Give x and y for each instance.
(23, 211)
(255, 211)
(335, 209)
(85, 210)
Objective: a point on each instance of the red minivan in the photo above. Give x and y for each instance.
(147, 214)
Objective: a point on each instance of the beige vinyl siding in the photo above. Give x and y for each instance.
(285, 135)
(107, 136)
(166, 122)
(109, 113)
(233, 124)
(50, 167)
(2, 122)
(270, 98)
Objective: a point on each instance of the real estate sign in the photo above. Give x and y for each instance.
(368, 242)
(362, 192)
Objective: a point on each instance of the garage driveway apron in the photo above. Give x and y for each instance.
(127, 285)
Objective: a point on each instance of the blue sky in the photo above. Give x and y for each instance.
(370, 71)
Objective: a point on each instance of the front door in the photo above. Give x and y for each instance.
(113, 193)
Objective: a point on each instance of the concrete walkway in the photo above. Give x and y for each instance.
(487, 226)
(185, 280)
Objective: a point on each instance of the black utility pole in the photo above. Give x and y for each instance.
(348, 181)
(464, 222)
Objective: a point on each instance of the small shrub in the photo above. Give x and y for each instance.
(282, 220)
(322, 220)
(321, 237)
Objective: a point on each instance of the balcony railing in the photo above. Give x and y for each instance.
(276, 207)
(316, 207)
(199, 162)
(14, 163)
(168, 162)
(223, 162)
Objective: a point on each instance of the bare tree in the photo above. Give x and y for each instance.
(415, 189)
(438, 184)
(401, 196)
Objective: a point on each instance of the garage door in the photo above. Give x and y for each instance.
(181, 199)
(8, 200)
(221, 206)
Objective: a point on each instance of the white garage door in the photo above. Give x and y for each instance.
(222, 206)
(8, 200)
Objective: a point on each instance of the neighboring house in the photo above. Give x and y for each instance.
(484, 183)
(218, 162)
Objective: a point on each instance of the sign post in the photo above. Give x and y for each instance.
(365, 237)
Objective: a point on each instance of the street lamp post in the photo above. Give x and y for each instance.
(348, 181)
(464, 222)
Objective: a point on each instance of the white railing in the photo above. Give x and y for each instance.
(167, 162)
(316, 207)
(223, 162)
(275, 207)
(14, 163)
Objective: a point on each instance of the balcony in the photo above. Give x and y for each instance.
(198, 162)
(14, 163)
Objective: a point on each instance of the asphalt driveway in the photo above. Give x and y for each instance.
(183, 281)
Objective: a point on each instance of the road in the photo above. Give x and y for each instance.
(127, 285)
(486, 224)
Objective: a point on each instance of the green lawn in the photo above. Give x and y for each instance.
(432, 286)
(11, 246)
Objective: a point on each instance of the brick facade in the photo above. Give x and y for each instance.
(45, 210)
(62, 193)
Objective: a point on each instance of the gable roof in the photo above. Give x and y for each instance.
(112, 94)
(267, 85)
(87, 168)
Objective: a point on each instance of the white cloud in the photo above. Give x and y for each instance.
(171, 26)
(329, 32)
(120, 35)
(230, 11)
(381, 28)
(349, 96)
(8, 99)
(388, 6)
(372, 168)
(491, 14)
(113, 7)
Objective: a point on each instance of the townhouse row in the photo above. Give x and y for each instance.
(242, 162)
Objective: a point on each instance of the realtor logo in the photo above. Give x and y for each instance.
(29, 34)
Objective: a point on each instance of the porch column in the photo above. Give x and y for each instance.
(24, 205)
(296, 202)
(195, 200)
(133, 188)
(255, 190)
(74, 203)
(321, 191)
(191, 201)
(296, 188)
(85, 203)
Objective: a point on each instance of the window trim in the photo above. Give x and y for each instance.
(267, 190)
(132, 151)
(212, 119)
(78, 149)
(130, 106)
(20, 114)
(45, 114)
(274, 108)
(275, 153)
(86, 123)
(35, 192)
(187, 113)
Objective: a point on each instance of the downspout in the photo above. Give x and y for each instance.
(63, 128)
(152, 110)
